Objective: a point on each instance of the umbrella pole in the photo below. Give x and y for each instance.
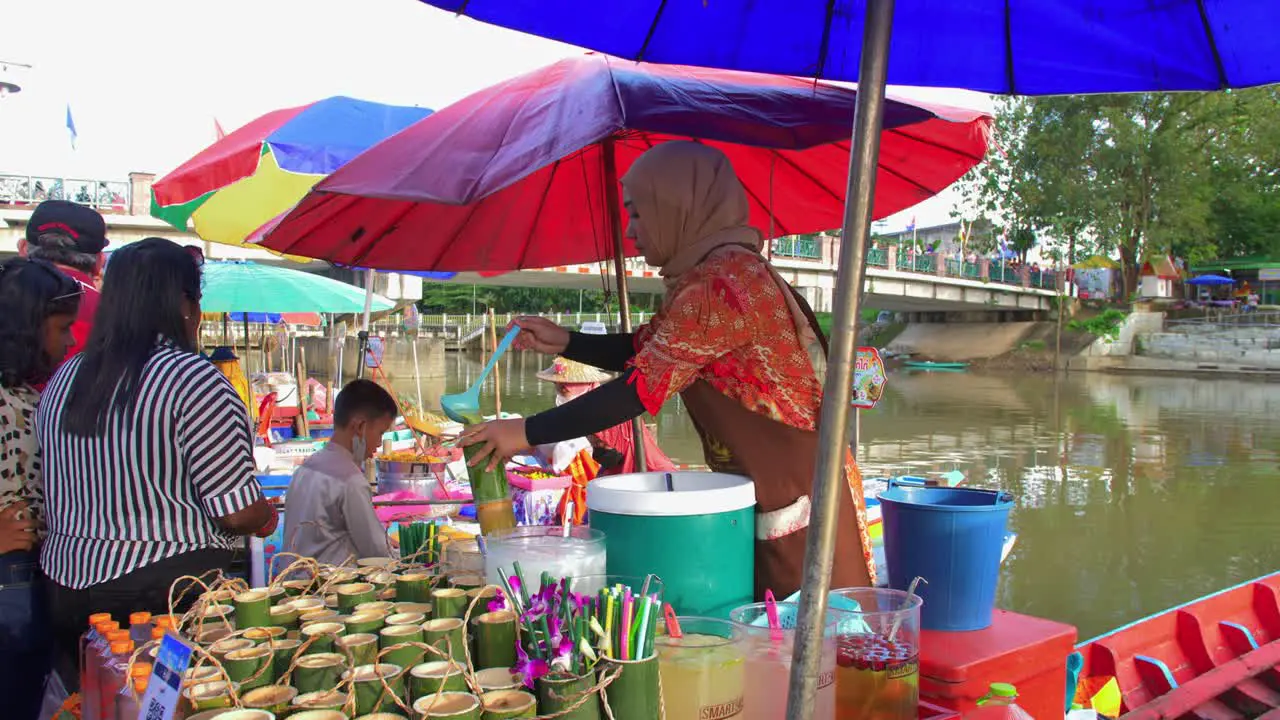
(833, 427)
(364, 325)
(248, 376)
(612, 205)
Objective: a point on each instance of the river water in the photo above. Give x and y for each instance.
(1133, 494)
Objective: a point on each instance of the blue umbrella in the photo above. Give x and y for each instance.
(1021, 47)
(1211, 280)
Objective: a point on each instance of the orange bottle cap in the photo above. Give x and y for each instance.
(140, 683)
(142, 669)
(114, 636)
(107, 626)
(164, 621)
(157, 633)
(96, 618)
(120, 647)
(140, 618)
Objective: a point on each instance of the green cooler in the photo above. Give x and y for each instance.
(694, 530)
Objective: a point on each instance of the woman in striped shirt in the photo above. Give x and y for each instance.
(148, 453)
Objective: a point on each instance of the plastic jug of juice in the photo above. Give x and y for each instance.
(129, 701)
(140, 627)
(90, 661)
(114, 672)
(1000, 703)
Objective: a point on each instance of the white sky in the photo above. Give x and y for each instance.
(146, 78)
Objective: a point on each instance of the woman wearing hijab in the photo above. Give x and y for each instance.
(737, 343)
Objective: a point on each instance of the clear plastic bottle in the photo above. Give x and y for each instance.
(140, 627)
(129, 701)
(115, 673)
(1000, 703)
(93, 644)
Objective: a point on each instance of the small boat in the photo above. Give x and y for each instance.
(1215, 658)
(930, 365)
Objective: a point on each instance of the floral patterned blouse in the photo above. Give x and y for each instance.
(728, 323)
(20, 452)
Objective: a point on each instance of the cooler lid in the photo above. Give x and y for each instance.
(1014, 648)
(686, 493)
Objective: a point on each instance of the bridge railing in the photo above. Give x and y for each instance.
(35, 189)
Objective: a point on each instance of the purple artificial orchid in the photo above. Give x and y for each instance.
(529, 669)
(537, 609)
(580, 602)
(499, 602)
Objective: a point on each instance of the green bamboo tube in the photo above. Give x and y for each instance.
(382, 716)
(195, 676)
(208, 695)
(306, 603)
(263, 635)
(405, 657)
(316, 715)
(359, 649)
(448, 635)
(371, 695)
(275, 699)
(282, 652)
(383, 579)
(414, 607)
(295, 588)
(316, 616)
(330, 700)
(508, 704)
(316, 673)
(406, 619)
(485, 592)
(381, 606)
(206, 715)
(449, 602)
(220, 596)
(387, 594)
(247, 714)
(467, 581)
(251, 667)
(634, 694)
(341, 577)
(321, 635)
(429, 677)
(370, 621)
(285, 616)
(252, 609)
(560, 692)
(222, 647)
(448, 706)
(210, 635)
(494, 634)
(352, 594)
(376, 563)
(413, 587)
(216, 615)
(498, 679)
(331, 601)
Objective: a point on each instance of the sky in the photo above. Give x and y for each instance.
(146, 79)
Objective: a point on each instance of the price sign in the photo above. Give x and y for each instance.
(868, 378)
(161, 699)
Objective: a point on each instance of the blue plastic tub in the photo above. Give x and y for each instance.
(953, 538)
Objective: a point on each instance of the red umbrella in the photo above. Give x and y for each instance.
(520, 175)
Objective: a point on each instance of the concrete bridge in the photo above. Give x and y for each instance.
(926, 287)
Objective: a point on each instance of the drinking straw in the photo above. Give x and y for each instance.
(641, 635)
(644, 589)
(624, 626)
(608, 626)
(673, 624)
(484, 549)
(671, 487)
(568, 518)
(771, 610)
(911, 590)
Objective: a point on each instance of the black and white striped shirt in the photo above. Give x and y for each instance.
(151, 486)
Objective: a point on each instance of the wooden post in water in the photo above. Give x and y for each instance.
(497, 368)
(303, 424)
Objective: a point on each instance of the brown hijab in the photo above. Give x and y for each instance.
(690, 203)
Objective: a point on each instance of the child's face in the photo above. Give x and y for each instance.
(371, 431)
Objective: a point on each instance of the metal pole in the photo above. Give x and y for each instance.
(363, 335)
(612, 204)
(833, 427)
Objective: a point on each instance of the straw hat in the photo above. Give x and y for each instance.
(568, 371)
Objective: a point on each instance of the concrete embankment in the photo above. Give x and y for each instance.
(1028, 345)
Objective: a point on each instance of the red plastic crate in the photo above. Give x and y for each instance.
(957, 668)
(933, 712)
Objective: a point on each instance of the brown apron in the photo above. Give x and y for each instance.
(781, 460)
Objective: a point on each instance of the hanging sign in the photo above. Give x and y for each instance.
(373, 356)
(868, 378)
(160, 702)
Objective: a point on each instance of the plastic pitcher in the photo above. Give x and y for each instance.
(768, 661)
(953, 538)
(702, 670)
(878, 664)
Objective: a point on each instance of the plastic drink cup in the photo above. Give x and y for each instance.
(768, 662)
(703, 670)
(878, 656)
(542, 548)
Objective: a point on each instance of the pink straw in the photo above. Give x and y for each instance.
(771, 610)
(626, 626)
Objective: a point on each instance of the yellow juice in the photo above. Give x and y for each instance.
(702, 677)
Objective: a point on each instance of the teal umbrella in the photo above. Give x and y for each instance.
(252, 287)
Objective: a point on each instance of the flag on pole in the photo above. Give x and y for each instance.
(912, 225)
(217, 129)
(71, 127)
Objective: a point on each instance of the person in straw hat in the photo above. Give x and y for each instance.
(607, 452)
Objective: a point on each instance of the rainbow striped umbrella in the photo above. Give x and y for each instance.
(244, 180)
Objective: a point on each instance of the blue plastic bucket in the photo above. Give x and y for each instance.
(953, 538)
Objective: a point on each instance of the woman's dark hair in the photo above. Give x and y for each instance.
(31, 291)
(141, 304)
(363, 397)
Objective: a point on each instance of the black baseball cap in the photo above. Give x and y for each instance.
(84, 224)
